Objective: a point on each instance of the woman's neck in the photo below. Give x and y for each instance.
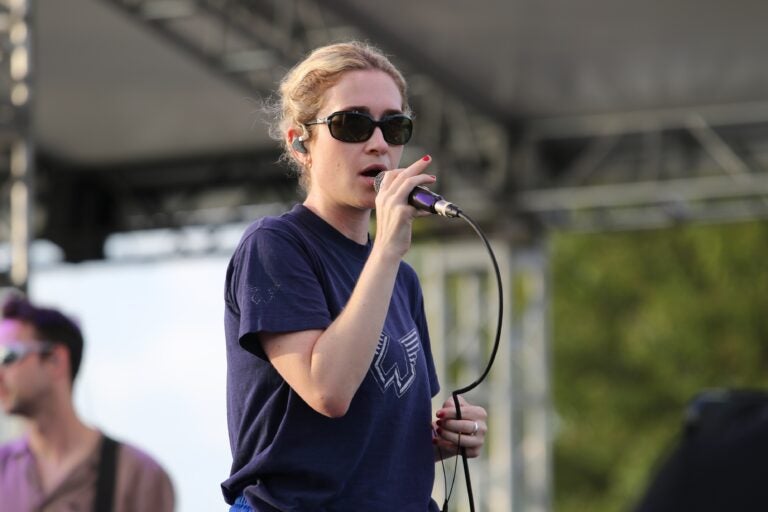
(349, 221)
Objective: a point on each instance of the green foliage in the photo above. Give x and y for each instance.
(641, 323)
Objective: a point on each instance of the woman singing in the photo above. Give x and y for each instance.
(330, 375)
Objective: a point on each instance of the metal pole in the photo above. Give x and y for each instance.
(21, 152)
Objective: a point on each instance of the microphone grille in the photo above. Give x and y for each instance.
(377, 181)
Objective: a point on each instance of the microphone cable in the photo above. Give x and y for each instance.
(494, 350)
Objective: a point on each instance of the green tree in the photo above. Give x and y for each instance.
(641, 323)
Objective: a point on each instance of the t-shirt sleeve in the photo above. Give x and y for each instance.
(276, 286)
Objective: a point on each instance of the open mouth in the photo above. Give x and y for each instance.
(372, 172)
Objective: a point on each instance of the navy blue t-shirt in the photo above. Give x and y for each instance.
(296, 272)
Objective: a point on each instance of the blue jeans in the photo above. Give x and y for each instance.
(240, 505)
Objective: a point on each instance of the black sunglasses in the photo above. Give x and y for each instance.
(348, 126)
(10, 354)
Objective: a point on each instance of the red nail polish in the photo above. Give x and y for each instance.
(427, 158)
(440, 414)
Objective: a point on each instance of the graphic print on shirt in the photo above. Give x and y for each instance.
(394, 363)
(261, 296)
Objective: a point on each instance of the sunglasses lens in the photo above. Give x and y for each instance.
(351, 127)
(397, 129)
(356, 127)
(8, 356)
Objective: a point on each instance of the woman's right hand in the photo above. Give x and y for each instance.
(394, 216)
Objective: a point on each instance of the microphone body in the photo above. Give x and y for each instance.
(424, 199)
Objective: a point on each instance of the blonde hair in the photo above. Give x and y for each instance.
(302, 90)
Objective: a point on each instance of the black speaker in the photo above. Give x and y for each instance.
(720, 462)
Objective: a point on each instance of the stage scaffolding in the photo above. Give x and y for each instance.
(16, 142)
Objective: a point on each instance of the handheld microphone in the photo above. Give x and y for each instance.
(424, 199)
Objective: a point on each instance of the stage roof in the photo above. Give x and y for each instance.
(111, 90)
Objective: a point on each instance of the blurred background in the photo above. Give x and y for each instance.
(615, 153)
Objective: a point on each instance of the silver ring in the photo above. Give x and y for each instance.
(474, 430)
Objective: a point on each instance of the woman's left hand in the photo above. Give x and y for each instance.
(468, 432)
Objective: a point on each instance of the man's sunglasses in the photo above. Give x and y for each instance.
(10, 354)
(349, 126)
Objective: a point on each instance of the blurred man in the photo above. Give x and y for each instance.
(61, 464)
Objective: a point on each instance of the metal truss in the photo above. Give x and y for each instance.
(646, 169)
(15, 141)
(84, 206)
(616, 171)
(460, 296)
(252, 43)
